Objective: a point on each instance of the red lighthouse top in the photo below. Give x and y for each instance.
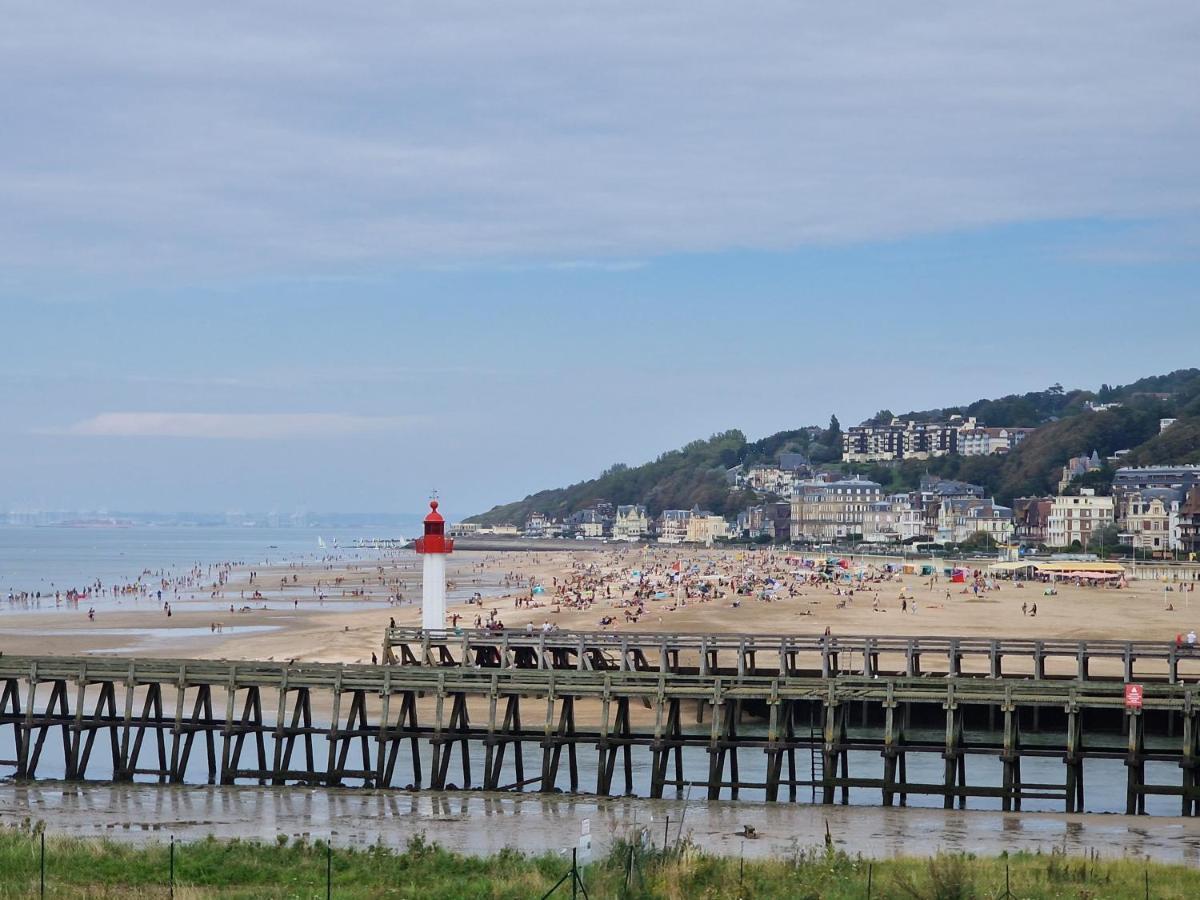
(434, 539)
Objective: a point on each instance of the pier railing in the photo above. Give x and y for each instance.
(781, 654)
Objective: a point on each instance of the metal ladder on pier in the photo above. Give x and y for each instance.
(816, 737)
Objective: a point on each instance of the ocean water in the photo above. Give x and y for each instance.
(53, 558)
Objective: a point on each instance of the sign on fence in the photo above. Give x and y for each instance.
(1133, 696)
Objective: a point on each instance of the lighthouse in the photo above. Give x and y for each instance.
(433, 547)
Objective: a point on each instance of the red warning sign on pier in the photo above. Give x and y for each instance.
(1133, 696)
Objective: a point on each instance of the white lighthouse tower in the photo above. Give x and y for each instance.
(433, 547)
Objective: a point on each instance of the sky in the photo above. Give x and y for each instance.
(333, 257)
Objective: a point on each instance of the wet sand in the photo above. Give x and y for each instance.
(482, 824)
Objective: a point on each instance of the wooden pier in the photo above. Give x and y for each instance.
(416, 727)
(777, 655)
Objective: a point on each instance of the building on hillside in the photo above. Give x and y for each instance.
(463, 529)
(1075, 519)
(673, 526)
(1139, 478)
(631, 523)
(767, 480)
(832, 510)
(1149, 519)
(1164, 424)
(705, 527)
(1031, 519)
(1077, 467)
(1189, 524)
(936, 488)
(899, 440)
(793, 462)
(982, 441)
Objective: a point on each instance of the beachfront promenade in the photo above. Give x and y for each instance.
(783, 737)
(789, 655)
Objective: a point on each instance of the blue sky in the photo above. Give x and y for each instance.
(251, 260)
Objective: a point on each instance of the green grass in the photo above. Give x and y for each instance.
(234, 869)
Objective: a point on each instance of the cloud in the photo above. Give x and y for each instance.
(233, 426)
(146, 141)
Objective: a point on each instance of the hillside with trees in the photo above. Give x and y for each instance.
(696, 474)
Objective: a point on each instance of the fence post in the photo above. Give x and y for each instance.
(870, 873)
(666, 834)
(329, 869)
(42, 891)
(574, 873)
(171, 881)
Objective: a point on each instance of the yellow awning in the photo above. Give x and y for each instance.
(1009, 566)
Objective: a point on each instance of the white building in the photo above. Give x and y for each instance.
(673, 526)
(1077, 518)
(631, 523)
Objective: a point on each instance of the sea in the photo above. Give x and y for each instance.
(51, 558)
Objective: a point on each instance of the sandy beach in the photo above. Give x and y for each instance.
(337, 611)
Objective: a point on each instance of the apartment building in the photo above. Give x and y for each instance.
(982, 441)
(899, 440)
(833, 510)
(1076, 518)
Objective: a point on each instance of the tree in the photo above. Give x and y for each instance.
(1104, 539)
(883, 417)
(833, 434)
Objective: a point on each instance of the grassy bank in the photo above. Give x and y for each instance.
(228, 869)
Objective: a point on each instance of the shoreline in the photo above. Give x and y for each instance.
(477, 823)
